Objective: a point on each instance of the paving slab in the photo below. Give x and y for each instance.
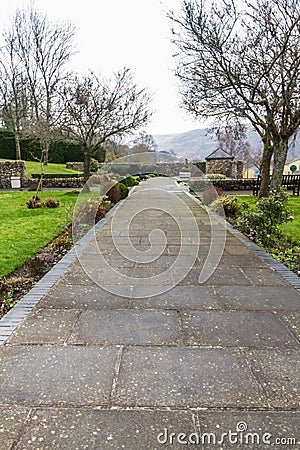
(181, 297)
(278, 370)
(12, 422)
(41, 375)
(220, 277)
(127, 327)
(76, 429)
(235, 328)
(82, 297)
(264, 277)
(261, 298)
(249, 429)
(292, 319)
(186, 377)
(45, 326)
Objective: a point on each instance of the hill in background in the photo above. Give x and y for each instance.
(196, 144)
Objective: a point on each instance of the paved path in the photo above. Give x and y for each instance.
(89, 369)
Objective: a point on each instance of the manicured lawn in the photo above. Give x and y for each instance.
(23, 230)
(35, 167)
(292, 229)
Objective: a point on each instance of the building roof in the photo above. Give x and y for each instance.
(219, 153)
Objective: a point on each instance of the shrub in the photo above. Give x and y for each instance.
(123, 190)
(94, 165)
(114, 191)
(262, 224)
(230, 205)
(130, 181)
(34, 202)
(185, 169)
(216, 176)
(90, 211)
(51, 203)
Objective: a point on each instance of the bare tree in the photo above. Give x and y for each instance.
(242, 63)
(13, 89)
(44, 48)
(99, 109)
(143, 143)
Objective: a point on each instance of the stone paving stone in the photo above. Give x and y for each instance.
(89, 429)
(11, 423)
(278, 370)
(45, 326)
(111, 277)
(81, 297)
(242, 261)
(220, 277)
(292, 319)
(186, 377)
(181, 297)
(265, 277)
(151, 430)
(257, 424)
(261, 298)
(76, 275)
(43, 375)
(127, 327)
(237, 249)
(235, 328)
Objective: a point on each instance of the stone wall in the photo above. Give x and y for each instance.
(229, 168)
(79, 166)
(10, 169)
(164, 168)
(198, 184)
(71, 183)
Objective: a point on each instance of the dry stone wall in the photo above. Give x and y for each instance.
(10, 169)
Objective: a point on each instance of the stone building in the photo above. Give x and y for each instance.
(221, 162)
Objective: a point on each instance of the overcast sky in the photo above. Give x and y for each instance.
(117, 33)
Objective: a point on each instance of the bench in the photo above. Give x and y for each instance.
(291, 182)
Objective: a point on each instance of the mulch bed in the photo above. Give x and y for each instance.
(21, 280)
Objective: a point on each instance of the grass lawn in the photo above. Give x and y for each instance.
(35, 167)
(23, 230)
(292, 229)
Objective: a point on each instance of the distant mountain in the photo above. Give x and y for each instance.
(196, 145)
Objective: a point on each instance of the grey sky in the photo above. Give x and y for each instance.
(117, 33)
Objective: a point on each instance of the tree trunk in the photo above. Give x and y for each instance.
(18, 147)
(265, 168)
(280, 154)
(87, 163)
(45, 153)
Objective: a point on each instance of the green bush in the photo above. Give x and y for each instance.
(94, 165)
(229, 204)
(262, 225)
(130, 181)
(216, 176)
(123, 190)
